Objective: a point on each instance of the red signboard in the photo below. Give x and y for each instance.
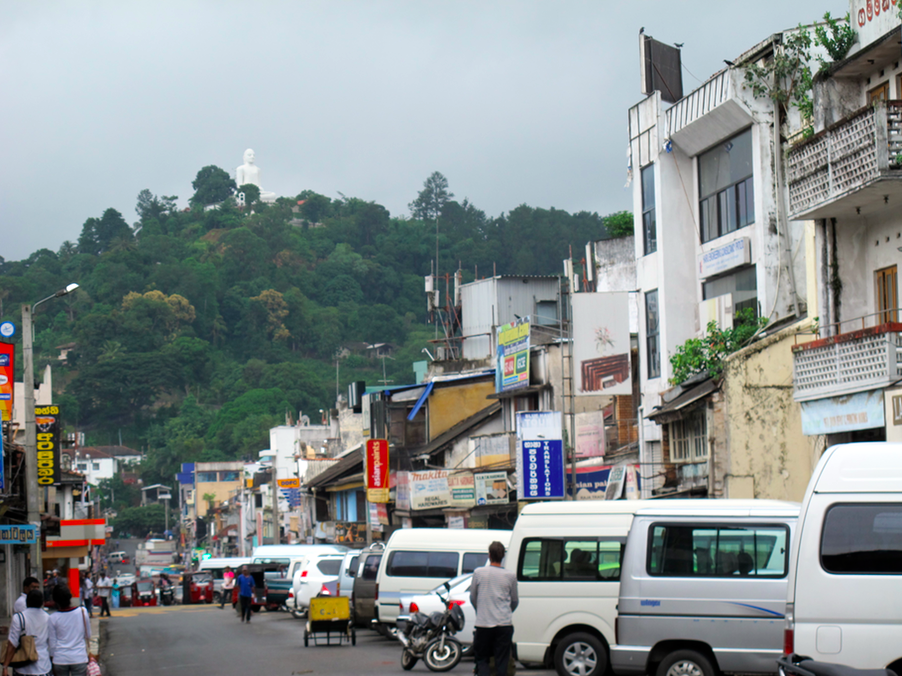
(7, 354)
(377, 470)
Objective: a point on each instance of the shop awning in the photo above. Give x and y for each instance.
(673, 409)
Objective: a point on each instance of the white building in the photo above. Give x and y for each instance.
(712, 237)
(101, 462)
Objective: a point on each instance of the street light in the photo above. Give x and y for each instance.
(31, 449)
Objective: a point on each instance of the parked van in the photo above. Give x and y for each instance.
(348, 572)
(703, 588)
(285, 554)
(415, 560)
(567, 558)
(363, 598)
(845, 583)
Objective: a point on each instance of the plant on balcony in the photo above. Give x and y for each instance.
(836, 36)
(707, 354)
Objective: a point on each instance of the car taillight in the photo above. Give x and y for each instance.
(303, 573)
(789, 631)
(457, 603)
(325, 592)
(291, 594)
(414, 608)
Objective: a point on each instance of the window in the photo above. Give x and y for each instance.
(689, 437)
(708, 550)
(228, 476)
(207, 477)
(95, 466)
(743, 285)
(726, 187)
(422, 564)
(329, 566)
(576, 559)
(863, 539)
(887, 294)
(83, 466)
(652, 337)
(371, 567)
(473, 561)
(649, 227)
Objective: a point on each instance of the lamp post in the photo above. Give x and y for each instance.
(31, 448)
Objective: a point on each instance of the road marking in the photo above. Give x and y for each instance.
(159, 610)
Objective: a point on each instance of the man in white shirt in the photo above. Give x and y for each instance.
(28, 584)
(37, 624)
(87, 593)
(104, 587)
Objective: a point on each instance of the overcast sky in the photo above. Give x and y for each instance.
(514, 102)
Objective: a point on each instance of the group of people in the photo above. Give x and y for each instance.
(61, 640)
(105, 589)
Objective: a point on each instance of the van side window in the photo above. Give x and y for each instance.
(709, 550)
(371, 567)
(422, 564)
(563, 559)
(862, 539)
(472, 561)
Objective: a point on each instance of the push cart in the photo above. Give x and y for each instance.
(329, 615)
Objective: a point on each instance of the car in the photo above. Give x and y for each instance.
(430, 602)
(308, 581)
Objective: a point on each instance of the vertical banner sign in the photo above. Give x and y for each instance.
(377, 488)
(540, 455)
(47, 420)
(512, 368)
(7, 354)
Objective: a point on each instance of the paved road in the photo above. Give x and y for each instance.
(192, 640)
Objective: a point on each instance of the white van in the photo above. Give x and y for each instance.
(566, 556)
(415, 560)
(845, 585)
(703, 588)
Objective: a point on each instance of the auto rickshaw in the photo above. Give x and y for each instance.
(199, 587)
(144, 593)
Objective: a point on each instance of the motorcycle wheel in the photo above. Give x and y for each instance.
(443, 659)
(408, 660)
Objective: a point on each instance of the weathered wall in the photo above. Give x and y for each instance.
(766, 456)
(450, 405)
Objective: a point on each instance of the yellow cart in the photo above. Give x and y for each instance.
(329, 615)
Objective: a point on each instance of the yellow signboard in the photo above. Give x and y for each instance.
(289, 483)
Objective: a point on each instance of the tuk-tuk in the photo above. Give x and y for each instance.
(144, 593)
(258, 572)
(199, 588)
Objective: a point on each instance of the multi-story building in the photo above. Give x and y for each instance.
(848, 179)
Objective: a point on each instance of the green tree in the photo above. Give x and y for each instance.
(251, 193)
(212, 185)
(431, 199)
(619, 224)
(152, 207)
(140, 521)
(99, 234)
(315, 207)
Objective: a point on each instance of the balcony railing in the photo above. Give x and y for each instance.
(866, 358)
(845, 157)
(699, 103)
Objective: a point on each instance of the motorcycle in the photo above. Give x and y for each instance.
(167, 595)
(796, 665)
(430, 637)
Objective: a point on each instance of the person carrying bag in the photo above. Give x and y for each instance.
(27, 649)
(70, 636)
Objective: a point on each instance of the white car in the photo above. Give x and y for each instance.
(311, 575)
(430, 602)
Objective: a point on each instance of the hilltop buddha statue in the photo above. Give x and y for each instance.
(250, 173)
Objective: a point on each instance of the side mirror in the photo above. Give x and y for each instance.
(447, 586)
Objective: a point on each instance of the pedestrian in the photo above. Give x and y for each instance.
(70, 634)
(114, 595)
(493, 593)
(87, 593)
(33, 622)
(245, 593)
(228, 584)
(28, 584)
(104, 589)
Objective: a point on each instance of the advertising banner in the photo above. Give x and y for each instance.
(491, 488)
(592, 481)
(540, 455)
(402, 491)
(18, 535)
(512, 367)
(377, 487)
(463, 489)
(47, 420)
(859, 411)
(590, 434)
(601, 343)
(429, 490)
(7, 361)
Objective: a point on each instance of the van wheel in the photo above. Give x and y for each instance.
(581, 654)
(685, 663)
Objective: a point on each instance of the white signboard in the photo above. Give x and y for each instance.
(590, 439)
(860, 411)
(429, 490)
(463, 489)
(491, 488)
(724, 258)
(872, 19)
(601, 342)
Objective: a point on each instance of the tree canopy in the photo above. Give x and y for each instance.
(212, 185)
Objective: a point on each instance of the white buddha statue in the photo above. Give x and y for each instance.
(250, 173)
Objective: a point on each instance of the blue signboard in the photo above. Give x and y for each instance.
(543, 469)
(18, 535)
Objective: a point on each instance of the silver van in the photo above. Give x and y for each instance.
(703, 588)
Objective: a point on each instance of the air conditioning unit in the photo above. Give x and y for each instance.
(719, 309)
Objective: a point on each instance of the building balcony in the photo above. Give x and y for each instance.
(862, 359)
(850, 167)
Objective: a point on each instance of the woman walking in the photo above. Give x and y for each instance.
(33, 622)
(70, 632)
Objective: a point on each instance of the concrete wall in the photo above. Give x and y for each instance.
(452, 404)
(765, 454)
(615, 263)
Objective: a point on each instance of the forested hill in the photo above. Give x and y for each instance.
(195, 331)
